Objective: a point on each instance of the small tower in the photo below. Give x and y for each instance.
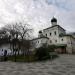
(54, 21)
(40, 34)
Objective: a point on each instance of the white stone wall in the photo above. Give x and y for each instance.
(39, 42)
(3, 48)
(53, 33)
(63, 40)
(69, 45)
(70, 41)
(54, 38)
(51, 37)
(61, 31)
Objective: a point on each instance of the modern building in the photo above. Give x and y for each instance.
(56, 35)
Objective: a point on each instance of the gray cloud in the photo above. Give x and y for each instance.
(38, 13)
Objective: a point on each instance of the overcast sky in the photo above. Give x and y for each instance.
(38, 13)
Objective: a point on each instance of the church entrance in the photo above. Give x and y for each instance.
(61, 49)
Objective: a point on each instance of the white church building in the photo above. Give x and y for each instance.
(56, 35)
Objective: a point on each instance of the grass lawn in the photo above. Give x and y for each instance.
(21, 58)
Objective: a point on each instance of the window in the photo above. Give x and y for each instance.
(38, 41)
(62, 39)
(46, 34)
(55, 32)
(35, 41)
(41, 40)
(50, 41)
(55, 40)
(50, 34)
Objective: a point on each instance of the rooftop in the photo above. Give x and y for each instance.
(39, 38)
(55, 26)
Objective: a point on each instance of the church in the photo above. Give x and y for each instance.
(56, 35)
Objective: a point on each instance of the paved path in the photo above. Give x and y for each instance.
(64, 65)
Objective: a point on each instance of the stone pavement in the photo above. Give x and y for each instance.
(64, 65)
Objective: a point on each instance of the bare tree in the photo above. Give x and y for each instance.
(23, 30)
(18, 33)
(13, 36)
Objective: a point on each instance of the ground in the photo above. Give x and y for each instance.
(64, 65)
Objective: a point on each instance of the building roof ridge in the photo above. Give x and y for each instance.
(39, 38)
(54, 26)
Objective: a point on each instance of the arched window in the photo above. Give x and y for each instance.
(62, 39)
(46, 34)
(50, 41)
(55, 32)
(50, 34)
(55, 40)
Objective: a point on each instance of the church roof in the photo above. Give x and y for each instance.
(55, 26)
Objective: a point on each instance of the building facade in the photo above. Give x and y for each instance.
(56, 35)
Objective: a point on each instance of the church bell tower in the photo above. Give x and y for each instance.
(54, 21)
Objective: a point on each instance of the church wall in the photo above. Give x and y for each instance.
(53, 37)
(61, 31)
(5, 46)
(39, 42)
(73, 44)
(63, 40)
(60, 40)
(53, 33)
(70, 44)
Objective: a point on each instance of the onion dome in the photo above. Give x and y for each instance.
(53, 20)
(40, 31)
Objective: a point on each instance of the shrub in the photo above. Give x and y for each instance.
(51, 48)
(42, 53)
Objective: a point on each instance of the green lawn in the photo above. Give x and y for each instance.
(21, 58)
